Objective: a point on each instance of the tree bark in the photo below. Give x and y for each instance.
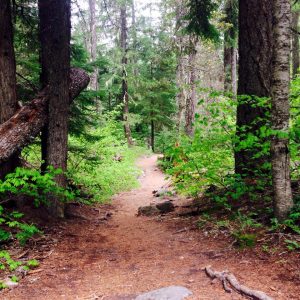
(8, 97)
(191, 99)
(280, 154)
(182, 74)
(93, 50)
(230, 51)
(234, 63)
(134, 38)
(152, 135)
(22, 128)
(227, 68)
(295, 43)
(230, 70)
(125, 96)
(182, 93)
(55, 34)
(255, 59)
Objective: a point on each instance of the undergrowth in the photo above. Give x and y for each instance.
(104, 165)
(202, 167)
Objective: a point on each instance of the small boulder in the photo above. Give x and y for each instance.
(165, 207)
(148, 211)
(168, 293)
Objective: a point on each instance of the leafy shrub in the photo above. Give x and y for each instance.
(245, 239)
(207, 158)
(7, 263)
(27, 182)
(32, 183)
(104, 165)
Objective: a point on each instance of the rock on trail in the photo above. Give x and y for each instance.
(168, 293)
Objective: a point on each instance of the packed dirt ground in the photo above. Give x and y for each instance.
(108, 252)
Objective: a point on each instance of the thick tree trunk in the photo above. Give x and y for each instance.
(125, 96)
(8, 97)
(22, 128)
(255, 59)
(191, 99)
(295, 43)
(283, 201)
(55, 34)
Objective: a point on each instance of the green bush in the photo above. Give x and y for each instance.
(104, 165)
(33, 184)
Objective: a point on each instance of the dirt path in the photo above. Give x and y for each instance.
(128, 255)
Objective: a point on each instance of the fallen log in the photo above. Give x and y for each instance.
(22, 128)
(228, 279)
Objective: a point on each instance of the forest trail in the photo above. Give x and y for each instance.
(128, 255)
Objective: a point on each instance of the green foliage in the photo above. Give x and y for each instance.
(12, 227)
(6, 262)
(292, 245)
(14, 278)
(104, 165)
(31, 183)
(295, 127)
(245, 240)
(199, 17)
(207, 158)
(231, 23)
(33, 263)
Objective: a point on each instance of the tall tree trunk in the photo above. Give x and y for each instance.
(152, 135)
(8, 97)
(125, 96)
(227, 68)
(295, 43)
(191, 99)
(93, 49)
(182, 74)
(55, 32)
(283, 201)
(134, 38)
(182, 93)
(255, 59)
(230, 69)
(234, 64)
(230, 51)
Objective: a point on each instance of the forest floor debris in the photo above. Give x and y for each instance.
(129, 255)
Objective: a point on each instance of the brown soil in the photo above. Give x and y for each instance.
(88, 257)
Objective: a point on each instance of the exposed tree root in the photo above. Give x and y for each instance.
(229, 280)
